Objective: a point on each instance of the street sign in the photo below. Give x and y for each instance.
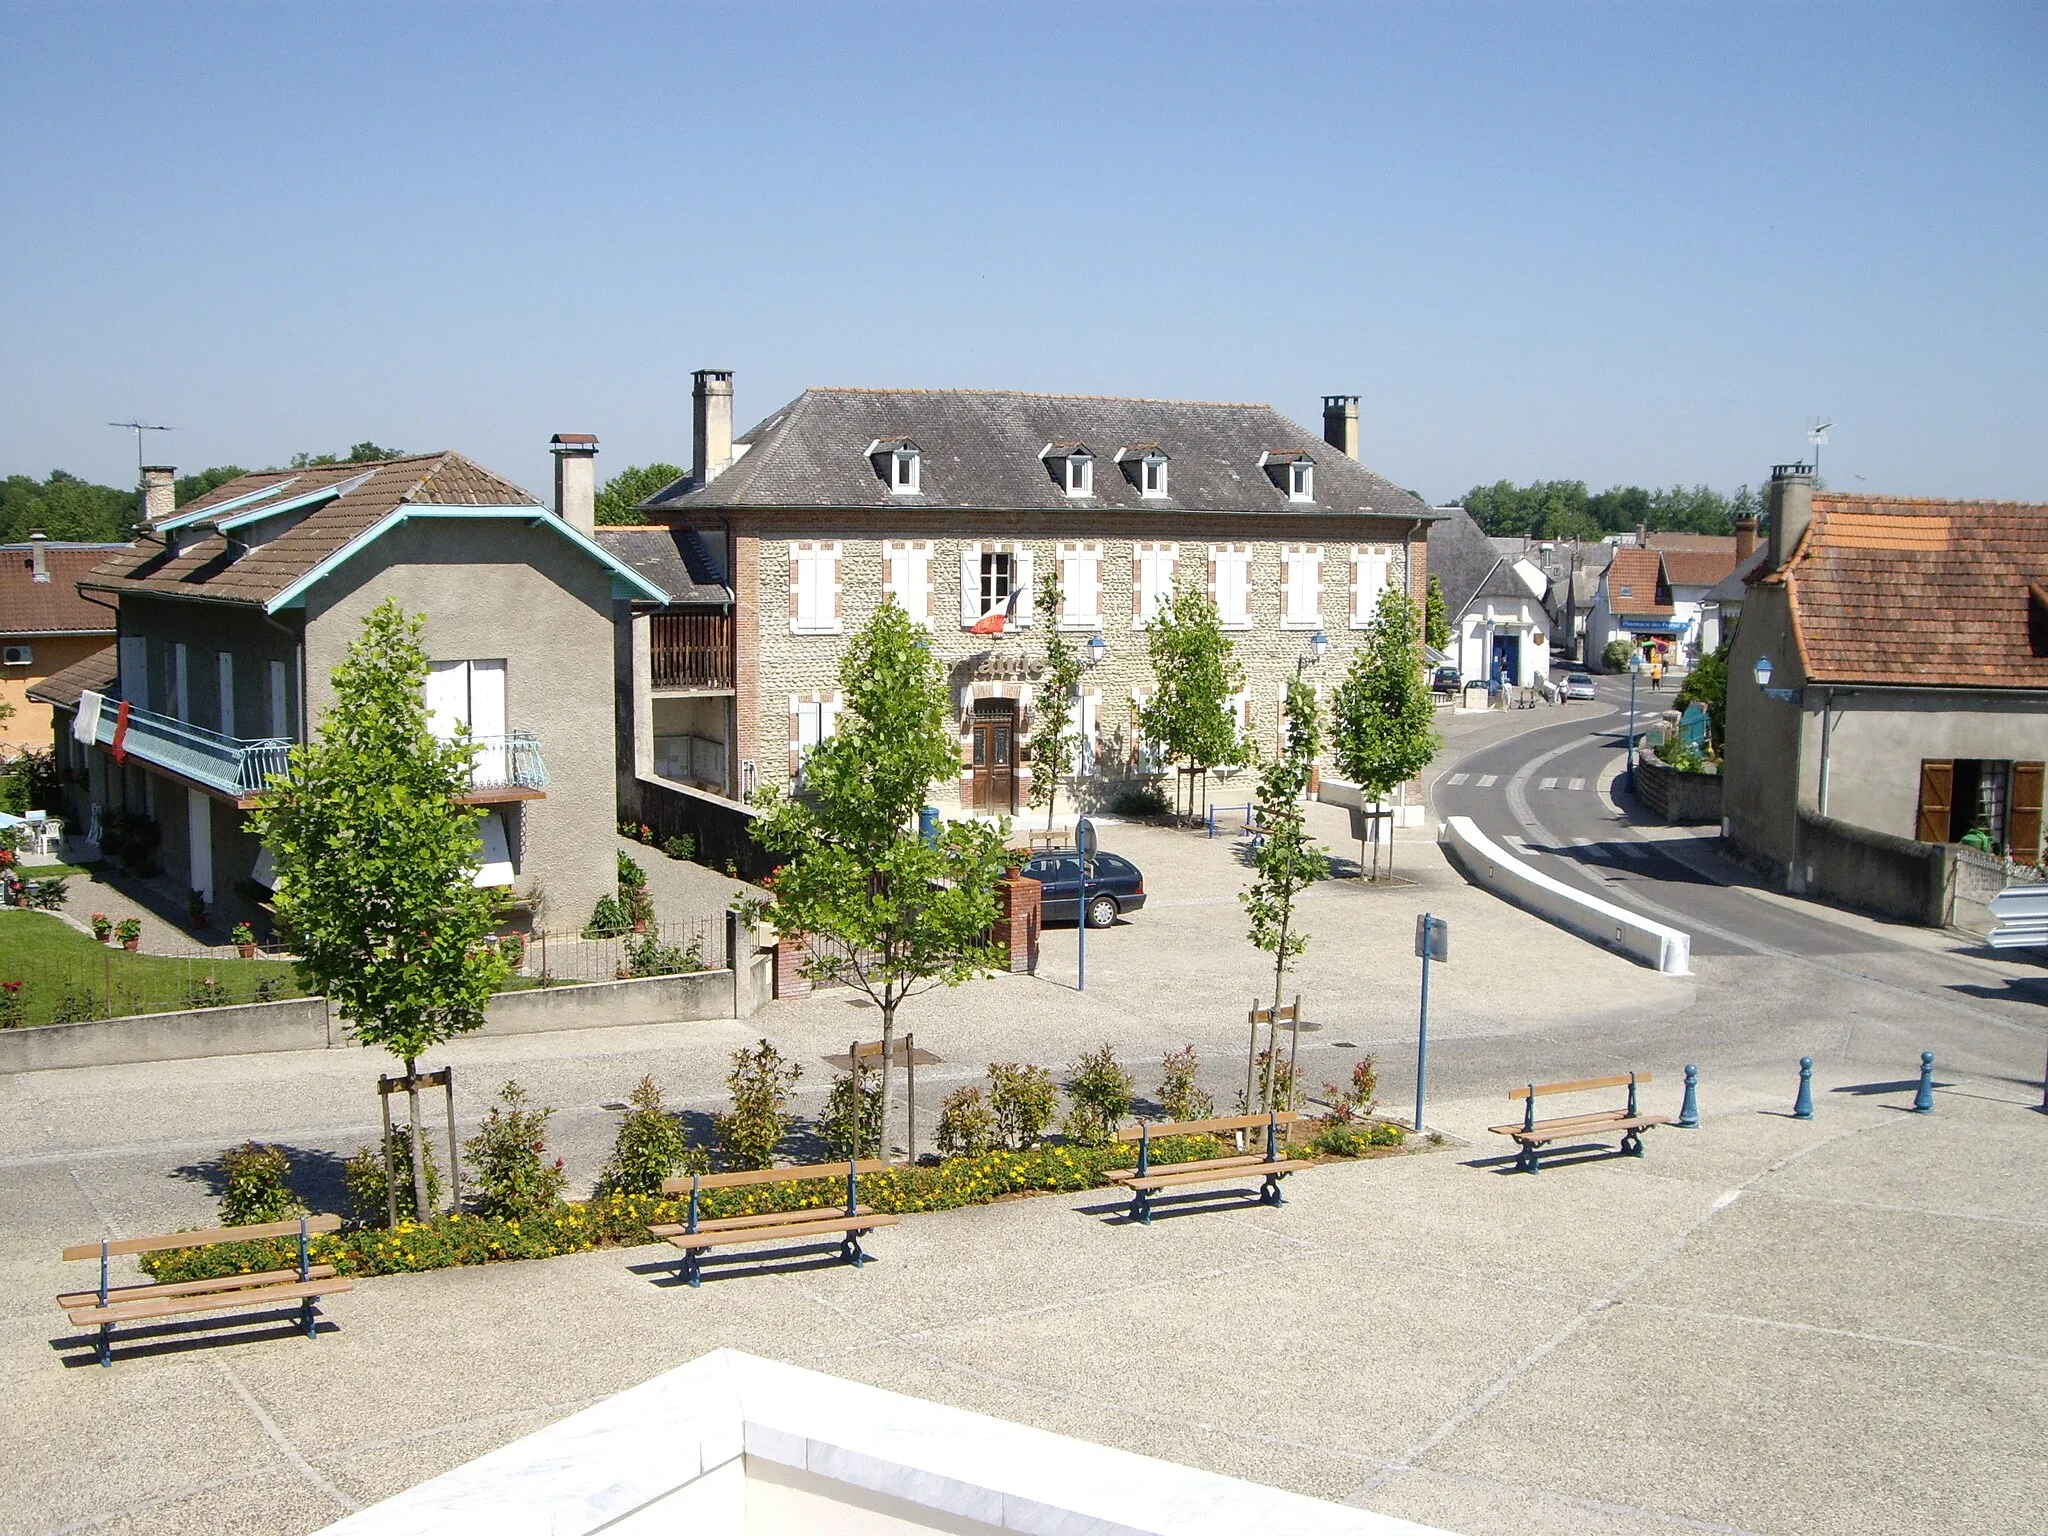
(1084, 839)
(1432, 937)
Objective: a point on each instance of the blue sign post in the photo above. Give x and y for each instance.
(1084, 845)
(1432, 942)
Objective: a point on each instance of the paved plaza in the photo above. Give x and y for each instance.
(1764, 1325)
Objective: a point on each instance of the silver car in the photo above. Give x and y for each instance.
(1578, 685)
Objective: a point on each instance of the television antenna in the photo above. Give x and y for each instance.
(1817, 435)
(138, 428)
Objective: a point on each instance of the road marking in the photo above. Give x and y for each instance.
(1519, 844)
(1548, 784)
(1457, 778)
(1488, 780)
(1576, 784)
(1584, 844)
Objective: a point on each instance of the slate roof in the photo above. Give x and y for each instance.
(100, 671)
(1732, 587)
(980, 452)
(31, 607)
(1468, 565)
(205, 565)
(677, 560)
(1937, 593)
(1637, 586)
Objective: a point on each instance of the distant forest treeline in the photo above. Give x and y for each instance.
(1565, 509)
(67, 508)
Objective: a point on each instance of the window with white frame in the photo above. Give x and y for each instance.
(1146, 755)
(903, 471)
(1080, 586)
(1152, 475)
(466, 693)
(1083, 734)
(812, 718)
(1301, 481)
(1230, 584)
(1080, 474)
(1151, 580)
(1371, 570)
(1239, 708)
(907, 578)
(989, 574)
(1301, 587)
(814, 595)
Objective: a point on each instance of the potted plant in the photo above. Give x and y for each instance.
(195, 908)
(244, 938)
(129, 932)
(102, 927)
(513, 948)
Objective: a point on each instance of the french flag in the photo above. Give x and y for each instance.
(993, 622)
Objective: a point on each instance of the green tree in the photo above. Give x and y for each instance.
(365, 452)
(1051, 751)
(1189, 719)
(1383, 727)
(1284, 861)
(376, 858)
(65, 507)
(1707, 685)
(620, 498)
(192, 487)
(1436, 620)
(878, 908)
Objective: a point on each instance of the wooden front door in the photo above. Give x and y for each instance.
(995, 756)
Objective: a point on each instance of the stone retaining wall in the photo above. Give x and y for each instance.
(1678, 797)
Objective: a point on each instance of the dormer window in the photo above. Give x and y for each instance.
(897, 460)
(1072, 465)
(1292, 471)
(1144, 465)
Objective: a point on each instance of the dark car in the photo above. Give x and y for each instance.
(1115, 886)
(1444, 680)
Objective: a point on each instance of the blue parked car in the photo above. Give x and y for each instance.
(1115, 886)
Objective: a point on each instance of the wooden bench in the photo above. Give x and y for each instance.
(696, 1236)
(1533, 1133)
(112, 1304)
(1148, 1178)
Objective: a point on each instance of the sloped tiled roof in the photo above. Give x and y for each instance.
(1698, 567)
(1696, 543)
(31, 607)
(677, 560)
(99, 671)
(1938, 593)
(981, 452)
(206, 563)
(1636, 584)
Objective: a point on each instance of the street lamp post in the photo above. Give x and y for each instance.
(1318, 647)
(1635, 670)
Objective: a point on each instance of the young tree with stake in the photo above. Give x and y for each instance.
(1382, 725)
(879, 909)
(1189, 719)
(1285, 862)
(1051, 752)
(376, 861)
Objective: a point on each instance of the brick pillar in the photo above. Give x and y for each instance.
(789, 981)
(1019, 897)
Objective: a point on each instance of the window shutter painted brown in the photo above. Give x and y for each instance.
(1937, 796)
(2023, 818)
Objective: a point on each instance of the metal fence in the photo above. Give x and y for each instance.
(665, 949)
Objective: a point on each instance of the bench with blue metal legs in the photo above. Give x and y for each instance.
(697, 1236)
(1149, 1178)
(1532, 1134)
(111, 1304)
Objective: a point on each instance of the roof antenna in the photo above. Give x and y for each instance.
(138, 428)
(1817, 435)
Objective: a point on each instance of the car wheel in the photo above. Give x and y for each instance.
(1101, 911)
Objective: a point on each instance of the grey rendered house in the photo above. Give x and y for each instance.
(1906, 704)
(234, 610)
(950, 503)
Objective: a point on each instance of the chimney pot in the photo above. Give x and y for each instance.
(1791, 509)
(39, 567)
(575, 479)
(1340, 423)
(1745, 538)
(159, 492)
(711, 424)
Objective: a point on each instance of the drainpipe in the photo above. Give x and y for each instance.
(1827, 732)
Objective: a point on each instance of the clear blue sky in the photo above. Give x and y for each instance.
(1614, 242)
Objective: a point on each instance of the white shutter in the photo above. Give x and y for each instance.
(1023, 579)
(487, 698)
(447, 697)
(970, 584)
(1369, 570)
(224, 684)
(199, 840)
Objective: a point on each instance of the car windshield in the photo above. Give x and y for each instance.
(1578, 677)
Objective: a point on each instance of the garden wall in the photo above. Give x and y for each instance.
(1678, 797)
(303, 1024)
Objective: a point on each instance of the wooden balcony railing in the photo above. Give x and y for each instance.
(692, 650)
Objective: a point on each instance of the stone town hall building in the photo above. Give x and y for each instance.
(950, 503)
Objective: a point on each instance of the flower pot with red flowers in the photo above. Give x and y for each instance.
(129, 932)
(244, 939)
(102, 927)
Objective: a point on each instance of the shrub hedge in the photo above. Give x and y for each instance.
(622, 1220)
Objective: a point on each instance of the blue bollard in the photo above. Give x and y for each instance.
(1802, 1107)
(1923, 1101)
(1689, 1108)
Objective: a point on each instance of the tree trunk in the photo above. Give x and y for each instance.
(1390, 844)
(888, 1044)
(419, 1147)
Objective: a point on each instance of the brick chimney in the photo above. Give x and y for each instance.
(1745, 538)
(1340, 423)
(575, 479)
(1790, 500)
(711, 424)
(159, 492)
(39, 568)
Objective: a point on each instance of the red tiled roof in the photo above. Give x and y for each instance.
(31, 607)
(1699, 567)
(1701, 543)
(1939, 593)
(1636, 584)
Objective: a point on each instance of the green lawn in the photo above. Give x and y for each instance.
(65, 976)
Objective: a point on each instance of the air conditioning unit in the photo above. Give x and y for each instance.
(17, 655)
